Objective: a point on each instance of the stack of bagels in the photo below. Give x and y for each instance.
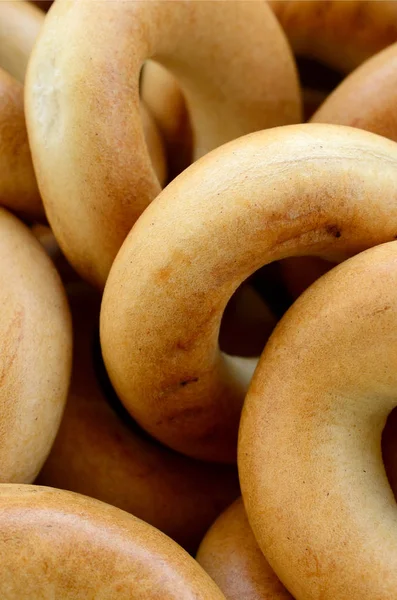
(198, 325)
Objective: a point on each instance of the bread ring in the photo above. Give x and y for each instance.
(98, 454)
(20, 23)
(340, 34)
(95, 171)
(35, 356)
(18, 187)
(56, 544)
(314, 415)
(230, 555)
(304, 189)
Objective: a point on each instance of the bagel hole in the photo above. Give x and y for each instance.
(45, 5)
(166, 103)
(317, 82)
(317, 75)
(295, 274)
(247, 322)
(389, 450)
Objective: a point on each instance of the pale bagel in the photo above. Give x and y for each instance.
(311, 433)
(82, 100)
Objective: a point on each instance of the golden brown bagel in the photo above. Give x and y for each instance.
(310, 462)
(20, 23)
(230, 555)
(56, 544)
(339, 34)
(82, 99)
(299, 190)
(35, 352)
(18, 187)
(97, 454)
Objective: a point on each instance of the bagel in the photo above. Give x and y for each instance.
(82, 102)
(35, 356)
(311, 433)
(20, 23)
(305, 189)
(56, 544)
(97, 452)
(18, 187)
(341, 35)
(230, 555)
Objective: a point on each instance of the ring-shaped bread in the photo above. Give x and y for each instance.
(311, 433)
(299, 190)
(35, 352)
(56, 544)
(100, 453)
(82, 104)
